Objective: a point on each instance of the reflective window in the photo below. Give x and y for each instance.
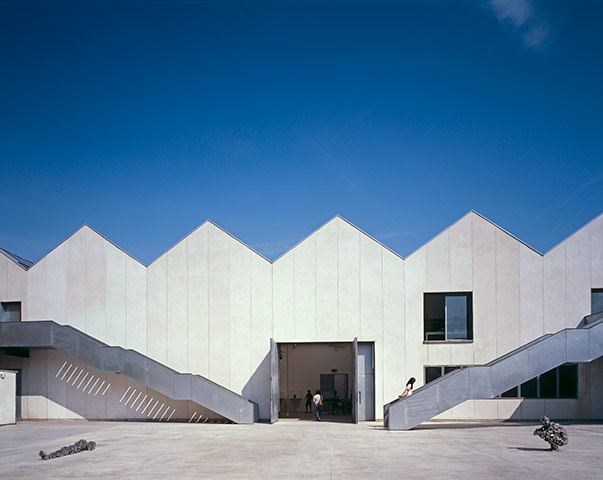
(448, 316)
(530, 388)
(568, 381)
(548, 384)
(560, 382)
(431, 373)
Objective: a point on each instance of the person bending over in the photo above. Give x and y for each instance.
(408, 390)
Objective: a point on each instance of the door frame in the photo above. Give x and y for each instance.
(274, 382)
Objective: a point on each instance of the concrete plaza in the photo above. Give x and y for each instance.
(298, 449)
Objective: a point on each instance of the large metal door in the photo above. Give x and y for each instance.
(366, 382)
(355, 380)
(274, 392)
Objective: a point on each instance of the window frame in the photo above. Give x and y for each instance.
(469, 309)
(558, 387)
(443, 368)
(594, 291)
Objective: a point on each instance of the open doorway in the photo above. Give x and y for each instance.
(328, 366)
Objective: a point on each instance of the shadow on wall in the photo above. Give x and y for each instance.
(56, 386)
(257, 388)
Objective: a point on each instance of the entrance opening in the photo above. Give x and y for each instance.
(328, 366)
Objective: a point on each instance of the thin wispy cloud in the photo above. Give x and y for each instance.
(524, 21)
(515, 11)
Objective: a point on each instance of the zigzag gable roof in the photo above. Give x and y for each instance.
(26, 264)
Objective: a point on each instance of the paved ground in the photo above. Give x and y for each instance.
(298, 449)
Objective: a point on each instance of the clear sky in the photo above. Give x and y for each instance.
(143, 119)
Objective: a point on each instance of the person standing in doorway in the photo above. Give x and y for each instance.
(309, 402)
(408, 390)
(318, 405)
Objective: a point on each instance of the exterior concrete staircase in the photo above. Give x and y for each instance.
(155, 375)
(571, 345)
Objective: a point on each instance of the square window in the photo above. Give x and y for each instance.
(448, 316)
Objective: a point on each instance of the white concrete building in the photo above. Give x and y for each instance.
(210, 306)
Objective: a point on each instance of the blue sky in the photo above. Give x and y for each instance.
(143, 119)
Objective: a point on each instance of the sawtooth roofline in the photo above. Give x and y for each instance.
(470, 212)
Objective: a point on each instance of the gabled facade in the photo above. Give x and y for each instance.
(210, 305)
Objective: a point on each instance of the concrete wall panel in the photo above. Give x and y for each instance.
(75, 380)
(57, 385)
(113, 391)
(136, 306)
(4, 278)
(116, 288)
(198, 301)
(349, 281)
(56, 284)
(484, 291)
(555, 289)
(577, 251)
(507, 293)
(371, 290)
(439, 354)
(284, 298)
(37, 389)
(509, 408)
(461, 257)
(258, 388)
(531, 294)
(96, 405)
(305, 290)
(219, 306)
(157, 309)
(394, 373)
(76, 280)
(415, 281)
(17, 284)
(96, 285)
(177, 307)
(461, 354)
(485, 409)
(438, 263)
(36, 291)
(596, 252)
(326, 282)
(240, 315)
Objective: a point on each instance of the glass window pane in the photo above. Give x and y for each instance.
(530, 389)
(548, 384)
(434, 316)
(514, 392)
(456, 317)
(450, 369)
(568, 381)
(431, 373)
(597, 300)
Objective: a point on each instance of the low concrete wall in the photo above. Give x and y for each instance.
(8, 392)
